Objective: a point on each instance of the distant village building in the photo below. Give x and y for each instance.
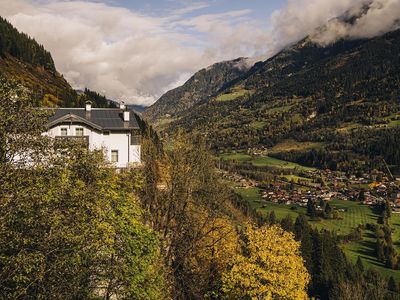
(115, 130)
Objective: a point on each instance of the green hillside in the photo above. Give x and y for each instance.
(205, 83)
(344, 97)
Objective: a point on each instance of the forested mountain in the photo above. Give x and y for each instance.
(24, 60)
(202, 85)
(22, 47)
(97, 99)
(344, 96)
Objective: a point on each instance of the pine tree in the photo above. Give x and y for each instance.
(311, 210)
(360, 265)
(272, 218)
(287, 223)
(380, 254)
(328, 210)
(392, 285)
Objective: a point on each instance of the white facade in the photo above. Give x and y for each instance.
(118, 142)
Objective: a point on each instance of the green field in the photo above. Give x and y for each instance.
(394, 120)
(263, 161)
(258, 124)
(394, 123)
(277, 109)
(354, 215)
(295, 178)
(232, 95)
(238, 157)
(292, 145)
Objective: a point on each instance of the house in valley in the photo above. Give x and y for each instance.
(115, 130)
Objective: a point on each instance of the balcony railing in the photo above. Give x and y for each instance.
(75, 139)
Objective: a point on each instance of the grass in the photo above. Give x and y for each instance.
(392, 120)
(232, 95)
(258, 124)
(365, 250)
(278, 109)
(363, 186)
(253, 196)
(263, 161)
(239, 157)
(354, 215)
(295, 178)
(395, 225)
(393, 123)
(292, 145)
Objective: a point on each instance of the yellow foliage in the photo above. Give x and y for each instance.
(373, 185)
(50, 100)
(270, 267)
(218, 244)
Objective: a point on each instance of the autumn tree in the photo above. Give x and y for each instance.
(70, 228)
(269, 267)
(190, 208)
(20, 125)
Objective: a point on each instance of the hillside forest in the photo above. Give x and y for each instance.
(72, 228)
(276, 181)
(25, 60)
(342, 98)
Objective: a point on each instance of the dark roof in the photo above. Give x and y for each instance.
(98, 118)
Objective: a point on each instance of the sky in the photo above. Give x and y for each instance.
(134, 51)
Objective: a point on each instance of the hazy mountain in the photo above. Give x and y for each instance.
(137, 108)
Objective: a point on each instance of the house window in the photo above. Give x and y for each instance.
(114, 156)
(64, 131)
(79, 131)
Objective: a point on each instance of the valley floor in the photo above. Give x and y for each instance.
(285, 192)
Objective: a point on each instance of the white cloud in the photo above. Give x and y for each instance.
(125, 54)
(381, 16)
(317, 18)
(128, 55)
(191, 7)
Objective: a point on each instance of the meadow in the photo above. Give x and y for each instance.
(263, 161)
(353, 215)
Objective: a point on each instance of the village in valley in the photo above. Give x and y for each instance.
(323, 185)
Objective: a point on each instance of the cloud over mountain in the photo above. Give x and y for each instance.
(319, 19)
(125, 54)
(130, 55)
(365, 20)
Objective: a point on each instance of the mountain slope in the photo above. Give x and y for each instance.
(344, 96)
(199, 87)
(23, 59)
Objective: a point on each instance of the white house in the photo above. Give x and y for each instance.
(115, 130)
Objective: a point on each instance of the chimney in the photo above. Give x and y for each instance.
(122, 105)
(88, 106)
(126, 115)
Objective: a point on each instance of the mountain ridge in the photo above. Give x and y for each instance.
(201, 85)
(338, 95)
